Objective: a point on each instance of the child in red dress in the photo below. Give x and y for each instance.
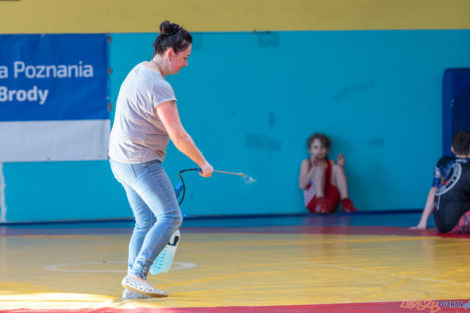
(324, 183)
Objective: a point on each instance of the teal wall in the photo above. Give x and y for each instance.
(250, 100)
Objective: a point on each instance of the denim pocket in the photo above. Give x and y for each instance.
(142, 169)
(153, 166)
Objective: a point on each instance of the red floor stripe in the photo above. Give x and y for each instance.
(298, 229)
(432, 306)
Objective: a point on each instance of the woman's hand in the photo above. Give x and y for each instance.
(206, 169)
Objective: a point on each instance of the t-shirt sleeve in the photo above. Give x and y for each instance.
(163, 92)
(440, 170)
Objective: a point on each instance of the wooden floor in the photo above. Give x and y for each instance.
(293, 263)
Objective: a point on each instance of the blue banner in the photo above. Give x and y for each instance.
(54, 77)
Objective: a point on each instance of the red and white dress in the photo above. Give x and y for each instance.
(331, 192)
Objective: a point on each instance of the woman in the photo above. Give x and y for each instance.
(146, 118)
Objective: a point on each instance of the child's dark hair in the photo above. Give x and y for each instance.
(325, 141)
(461, 142)
(172, 36)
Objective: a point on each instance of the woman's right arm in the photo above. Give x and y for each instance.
(423, 222)
(168, 113)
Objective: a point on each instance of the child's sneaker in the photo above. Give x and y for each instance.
(347, 206)
(323, 206)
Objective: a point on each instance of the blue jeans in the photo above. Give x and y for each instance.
(156, 211)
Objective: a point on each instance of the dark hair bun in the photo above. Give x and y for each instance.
(171, 36)
(167, 28)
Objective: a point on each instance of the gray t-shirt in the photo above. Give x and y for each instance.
(138, 134)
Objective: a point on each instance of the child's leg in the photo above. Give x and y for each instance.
(332, 194)
(463, 226)
(319, 182)
(338, 179)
